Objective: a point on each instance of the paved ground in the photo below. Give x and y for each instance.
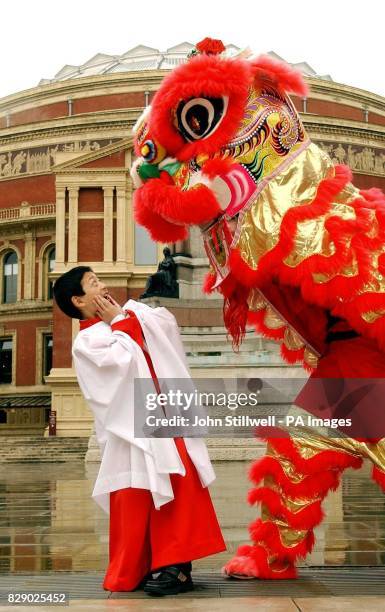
(48, 520)
(54, 537)
(361, 589)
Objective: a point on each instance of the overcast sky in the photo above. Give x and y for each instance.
(344, 38)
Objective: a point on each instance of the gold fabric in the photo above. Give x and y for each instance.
(310, 358)
(256, 301)
(272, 319)
(308, 445)
(292, 340)
(289, 537)
(259, 225)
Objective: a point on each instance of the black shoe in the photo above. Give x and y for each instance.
(143, 582)
(170, 580)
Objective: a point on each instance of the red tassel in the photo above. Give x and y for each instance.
(209, 282)
(235, 309)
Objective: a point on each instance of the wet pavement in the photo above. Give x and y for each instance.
(53, 535)
(48, 520)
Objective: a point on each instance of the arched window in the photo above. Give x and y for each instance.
(51, 254)
(10, 272)
(47, 355)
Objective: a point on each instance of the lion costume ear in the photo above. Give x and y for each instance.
(279, 74)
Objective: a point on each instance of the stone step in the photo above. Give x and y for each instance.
(36, 449)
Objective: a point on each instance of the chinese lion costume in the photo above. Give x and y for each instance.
(295, 250)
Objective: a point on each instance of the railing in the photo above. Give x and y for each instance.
(27, 211)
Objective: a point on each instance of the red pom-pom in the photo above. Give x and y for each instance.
(210, 46)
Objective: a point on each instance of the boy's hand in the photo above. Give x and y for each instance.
(107, 309)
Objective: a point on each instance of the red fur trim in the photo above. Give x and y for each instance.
(372, 195)
(209, 282)
(271, 262)
(321, 462)
(259, 556)
(307, 518)
(244, 550)
(194, 206)
(166, 178)
(246, 565)
(309, 486)
(379, 476)
(202, 75)
(158, 228)
(280, 74)
(254, 563)
(257, 318)
(292, 356)
(267, 532)
(216, 166)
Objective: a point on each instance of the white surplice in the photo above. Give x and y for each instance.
(107, 363)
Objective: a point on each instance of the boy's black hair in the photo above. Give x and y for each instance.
(67, 285)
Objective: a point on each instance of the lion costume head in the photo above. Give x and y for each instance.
(223, 147)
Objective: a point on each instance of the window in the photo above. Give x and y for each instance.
(5, 361)
(145, 248)
(47, 354)
(10, 278)
(50, 268)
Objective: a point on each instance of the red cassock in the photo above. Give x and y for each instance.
(143, 538)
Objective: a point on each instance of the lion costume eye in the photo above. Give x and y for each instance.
(199, 117)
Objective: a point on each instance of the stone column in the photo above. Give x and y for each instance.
(121, 224)
(192, 267)
(108, 222)
(130, 239)
(60, 226)
(29, 265)
(73, 224)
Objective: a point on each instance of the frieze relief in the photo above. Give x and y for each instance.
(361, 159)
(39, 160)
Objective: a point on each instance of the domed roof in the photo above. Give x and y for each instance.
(142, 57)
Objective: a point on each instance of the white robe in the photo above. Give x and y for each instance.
(106, 364)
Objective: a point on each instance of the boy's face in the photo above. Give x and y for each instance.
(92, 287)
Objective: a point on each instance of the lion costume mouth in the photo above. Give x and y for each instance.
(166, 211)
(160, 228)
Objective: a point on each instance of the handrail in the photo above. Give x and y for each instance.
(28, 211)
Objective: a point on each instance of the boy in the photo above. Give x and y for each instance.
(161, 515)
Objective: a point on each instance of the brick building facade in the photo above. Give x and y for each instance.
(66, 199)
